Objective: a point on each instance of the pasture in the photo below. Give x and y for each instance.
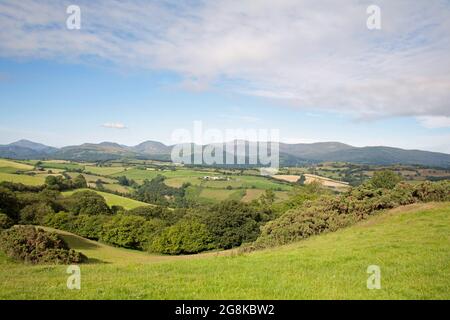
(113, 200)
(409, 244)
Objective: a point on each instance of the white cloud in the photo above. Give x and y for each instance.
(433, 122)
(113, 125)
(314, 55)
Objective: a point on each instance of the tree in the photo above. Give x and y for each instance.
(80, 182)
(9, 204)
(125, 231)
(35, 213)
(231, 223)
(87, 202)
(385, 179)
(185, 237)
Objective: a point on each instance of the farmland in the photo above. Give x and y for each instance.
(114, 200)
(410, 245)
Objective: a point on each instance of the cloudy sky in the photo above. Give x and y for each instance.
(139, 70)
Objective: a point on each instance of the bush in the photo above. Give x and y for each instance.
(5, 221)
(31, 245)
(185, 237)
(331, 213)
(9, 204)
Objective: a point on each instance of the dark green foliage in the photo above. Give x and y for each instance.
(79, 182)
(87, 202)
(385, 179)
(157, 192)
(158, 212)
(5, 221)
(185, 237)
(331, 213)
(125, 231)
(87, 226)
(31, 245)
(60, 220)
(232, 223)
(35, 213)
(9, 204)
(59, 183)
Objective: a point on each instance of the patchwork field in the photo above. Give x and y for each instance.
(409, 244)
(113, 200)
(23, 178)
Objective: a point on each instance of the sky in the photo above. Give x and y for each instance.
(140, 70)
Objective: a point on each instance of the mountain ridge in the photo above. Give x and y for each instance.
(290, 154)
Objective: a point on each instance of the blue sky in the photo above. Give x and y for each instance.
(129, 81)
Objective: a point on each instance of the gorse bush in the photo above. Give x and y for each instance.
(31, 245)
(332, 213)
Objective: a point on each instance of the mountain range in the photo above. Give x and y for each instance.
(290, 154)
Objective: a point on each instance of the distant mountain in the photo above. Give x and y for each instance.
(290, 154)
(152, 147)
(25, 149)
(38, 147)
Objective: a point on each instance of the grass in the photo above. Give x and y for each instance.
(113, 200)
(15, 165)
(104, 171)
(23, 178)
(61, 165)
(410, 244)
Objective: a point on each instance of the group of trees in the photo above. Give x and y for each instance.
(154, 228)
(192, 229)
(65, 182)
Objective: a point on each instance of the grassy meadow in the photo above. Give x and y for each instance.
(410, 244)
(113, 200)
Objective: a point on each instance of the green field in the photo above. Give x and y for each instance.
(113, 200)
(410, 244)
(14, 165)
(23, 178)
(61, 165)
(104, 171)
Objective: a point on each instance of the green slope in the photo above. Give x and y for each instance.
(114, 200)
(410, 244)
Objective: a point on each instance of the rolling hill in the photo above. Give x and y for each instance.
(290, 154)
(409, 244)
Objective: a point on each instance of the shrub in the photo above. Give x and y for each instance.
(185, 237)
(31, 245)
(5, 221)
(331, 213)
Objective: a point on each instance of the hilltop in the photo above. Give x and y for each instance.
(290, 154)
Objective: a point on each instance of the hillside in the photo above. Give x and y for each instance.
(410, 244)
(290, 154)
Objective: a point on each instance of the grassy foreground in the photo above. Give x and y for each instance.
(410, 244)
